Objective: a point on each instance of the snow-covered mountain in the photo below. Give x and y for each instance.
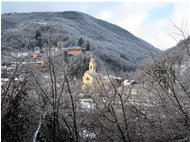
(111, 44)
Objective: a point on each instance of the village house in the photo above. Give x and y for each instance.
(36, 54)
(75, 51)
(41, 62)
(20, 54)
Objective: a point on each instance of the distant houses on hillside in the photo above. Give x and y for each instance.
(54, 51)
(20, 54)
(39, 57)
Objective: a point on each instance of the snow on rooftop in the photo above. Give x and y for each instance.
(87, 134)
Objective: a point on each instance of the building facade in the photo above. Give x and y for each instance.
(88, 75)
(76, 51)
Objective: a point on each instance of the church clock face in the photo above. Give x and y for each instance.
(87, 78)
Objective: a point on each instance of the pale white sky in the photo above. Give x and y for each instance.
(147, 20)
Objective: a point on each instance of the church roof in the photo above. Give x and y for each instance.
(112, 77)
(95, 74)
(107, 77)
(76, 47)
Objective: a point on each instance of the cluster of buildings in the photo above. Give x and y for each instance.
(103, 87)
(7, 72)
(94, 82)
(92, 77)
(36, 58)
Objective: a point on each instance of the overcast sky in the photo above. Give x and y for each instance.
(149, 21)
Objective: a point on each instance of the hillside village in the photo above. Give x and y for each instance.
(93, 83)
(40, 59)
(36, 58)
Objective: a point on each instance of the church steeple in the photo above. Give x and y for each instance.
(92, 65)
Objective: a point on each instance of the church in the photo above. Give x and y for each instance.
(91, 77)
(88, 75)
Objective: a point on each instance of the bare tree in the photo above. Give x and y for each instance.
(183, 33)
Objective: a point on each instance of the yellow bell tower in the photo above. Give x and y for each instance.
(92, 65)
(88, 78)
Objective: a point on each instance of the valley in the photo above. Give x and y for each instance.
(67, 76)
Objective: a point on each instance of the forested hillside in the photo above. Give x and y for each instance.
(116, 47)
(177, 54)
